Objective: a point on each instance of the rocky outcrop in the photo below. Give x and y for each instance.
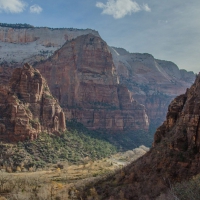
(45, 36)
(152, 82)
(83, 78)
(27, 107)
(21, 43)
(32, 44)
(5, 73)
(183, 121)
(174, 157)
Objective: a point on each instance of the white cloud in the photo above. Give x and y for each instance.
(146, 8)
(36, 9)
(121, 8)
(12, 6)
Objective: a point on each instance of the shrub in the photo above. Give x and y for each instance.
(187, 190)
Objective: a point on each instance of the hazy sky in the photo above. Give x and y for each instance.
(169, 30)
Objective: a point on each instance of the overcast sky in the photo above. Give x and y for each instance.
(169, 30)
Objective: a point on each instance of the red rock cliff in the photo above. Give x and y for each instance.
(82, 76)
(154, 83)
(183, 120)
(27, 107)
(175, 156)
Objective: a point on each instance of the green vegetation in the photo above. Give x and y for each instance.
(48, 96)
(19, 96)
(130, 140)
(46, 88)
(187, 190)
(34, 121)
(16, 25)
(37, 75)
(27, 108)
(72, 146)
(127, 140)
(32, 187)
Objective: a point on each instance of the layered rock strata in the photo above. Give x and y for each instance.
(31, 44)
(28, 108)
(154, 83)
(174, 157)
(21, 43)
(83, 78)
(183, 121)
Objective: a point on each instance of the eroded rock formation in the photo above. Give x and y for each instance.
(183, 121)
(175, 156)
(154, 83)
(82, 76)
(27, 107)
(31, 44)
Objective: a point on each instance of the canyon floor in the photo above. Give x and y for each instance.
(62, 180)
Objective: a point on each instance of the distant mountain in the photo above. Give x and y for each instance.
(152, 82)
(34, 44)
(16, 25)
(33, 128)
(94, 64)
(82, 76)
(174, 156)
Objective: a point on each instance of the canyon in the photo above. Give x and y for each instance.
(173, 158)
(95, 84)
(28, 108)
(152, 82)
(82, 76)
(52, 76)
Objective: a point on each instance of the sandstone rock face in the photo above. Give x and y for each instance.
(152, 82)
(27, 107)
(30, 44)
(19, 45)
(82, 76)
(175, 156)
(5, 73)
(183, 121)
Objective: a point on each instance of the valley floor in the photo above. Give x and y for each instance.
(60, 181)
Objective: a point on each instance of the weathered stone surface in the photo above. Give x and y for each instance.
(183, 120)
(5, 73)
(27, 107)
(174, 157)
(154, 83)
(20, 45)
(82, 76)
(43, 35)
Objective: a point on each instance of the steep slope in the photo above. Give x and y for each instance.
(82, 76)
(174, 157)
(32, 44)
(154, 83)
(20, 44)
(183, 121)
(27, 107)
